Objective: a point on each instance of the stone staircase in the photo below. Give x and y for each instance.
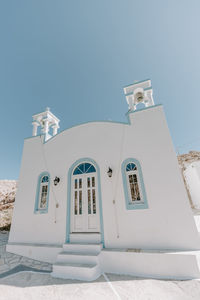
(78, 261)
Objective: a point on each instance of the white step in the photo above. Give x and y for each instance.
(85, 237)
(82, 248)
(72, 257)
(86, 272)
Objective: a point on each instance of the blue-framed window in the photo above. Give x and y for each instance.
(134, 190)
(84, 168)
(42, 194)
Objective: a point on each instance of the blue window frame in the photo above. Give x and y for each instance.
(42, 194)
(134, 190)
(84, 168)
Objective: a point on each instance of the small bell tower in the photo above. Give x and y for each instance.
(139, 92)
(45, 120)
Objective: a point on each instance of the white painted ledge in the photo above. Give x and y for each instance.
(41, 252)
(165, 265)
(142, 263)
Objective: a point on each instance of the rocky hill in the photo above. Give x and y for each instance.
(8, 190)
(185, 159)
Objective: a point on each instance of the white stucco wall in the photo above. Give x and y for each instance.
(156, 265)
(192, 177)
(167, 223)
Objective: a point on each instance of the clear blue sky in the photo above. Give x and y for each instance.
(76, 56)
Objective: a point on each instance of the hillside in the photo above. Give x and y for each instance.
(8, 190)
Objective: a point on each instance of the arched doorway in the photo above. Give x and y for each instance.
(85, 212)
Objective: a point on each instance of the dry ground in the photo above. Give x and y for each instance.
(36, 286)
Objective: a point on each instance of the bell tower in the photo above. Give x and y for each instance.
(139, 92)
(45, 120)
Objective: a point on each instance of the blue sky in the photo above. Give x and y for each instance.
(76, 56)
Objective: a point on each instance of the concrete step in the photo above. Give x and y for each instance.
(77, 271)
(83, 248)
(85, 238)
(72, 257)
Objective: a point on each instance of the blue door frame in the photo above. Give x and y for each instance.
(76, 163)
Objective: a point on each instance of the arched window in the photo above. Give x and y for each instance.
(134, 190)
(133, 184)
(84, 168)
(41, 204)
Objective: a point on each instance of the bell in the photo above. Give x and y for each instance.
(139, 97)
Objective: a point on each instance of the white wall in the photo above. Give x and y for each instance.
(192, 177)
(37, 252)
(167, 223)
(178, 265)
(156, 265)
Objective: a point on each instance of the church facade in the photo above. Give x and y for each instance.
(105, 197)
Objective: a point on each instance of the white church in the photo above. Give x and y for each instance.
(105, 197)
